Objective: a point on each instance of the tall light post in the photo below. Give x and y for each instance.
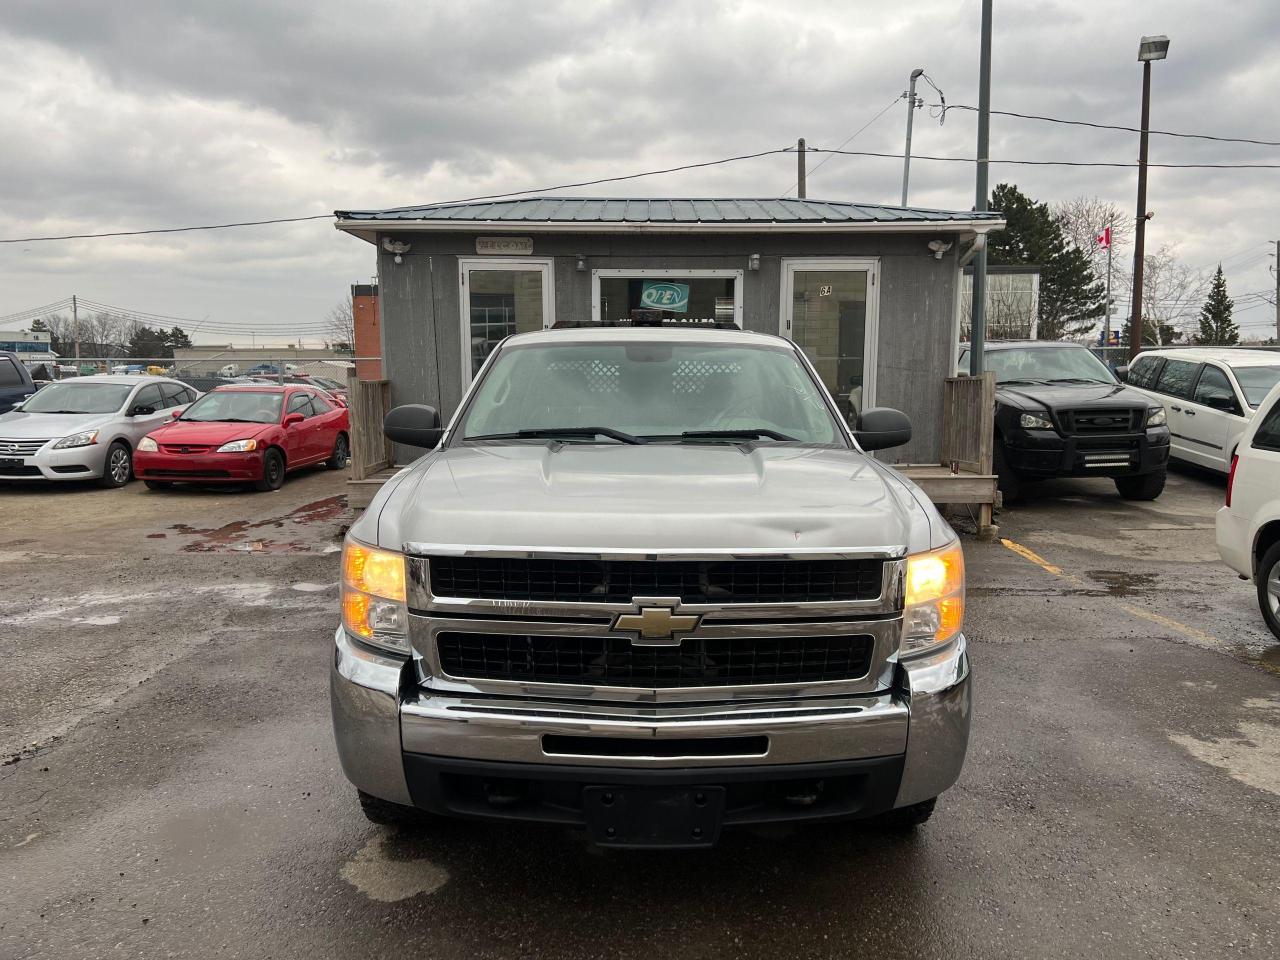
(1150, 48)
(911, 111)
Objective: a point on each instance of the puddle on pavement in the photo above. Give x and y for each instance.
(1271, 657)
(381, 872)
(246, 536)
(1122, 583)
(1252, 755)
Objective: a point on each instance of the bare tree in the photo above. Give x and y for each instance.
(340, 326)
(1171, 294)
(1084, 218)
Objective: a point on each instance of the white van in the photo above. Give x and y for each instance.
(1209, 396)
(230, 370)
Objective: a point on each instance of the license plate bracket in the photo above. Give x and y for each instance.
(12, 463)
(654, 816)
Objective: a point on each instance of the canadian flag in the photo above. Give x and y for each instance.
(1104, 238)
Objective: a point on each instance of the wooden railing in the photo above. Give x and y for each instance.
(367, 404)
(968, 422)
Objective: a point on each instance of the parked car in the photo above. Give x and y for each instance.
(230, 370)
(1061, 413)
(1209, 395)
(649, 584)
(246, 434)
(320, 383)
(1248, 526)
(16, 384)
(269, 370)
(86, 428)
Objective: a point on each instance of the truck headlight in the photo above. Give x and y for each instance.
(1033, 421)
(373, 596)
(934, 609)
(77, 440)
(239, 446)
(147, 445)
(1156, 417)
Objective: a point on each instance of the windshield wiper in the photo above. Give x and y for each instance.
(553, 433)
(83, 412)
(1078, 380)
(1022, 380)
(754, 434)
(217, 420)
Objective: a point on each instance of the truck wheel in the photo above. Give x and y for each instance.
(908, 818)
(388, 814)
(1148, 486)
(1010, 483)
(1269, 588)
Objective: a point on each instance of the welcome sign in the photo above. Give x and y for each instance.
(661, 295)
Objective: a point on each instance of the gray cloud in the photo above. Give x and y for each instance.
(154, 114)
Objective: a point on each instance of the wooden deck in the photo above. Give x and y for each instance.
(942, 486)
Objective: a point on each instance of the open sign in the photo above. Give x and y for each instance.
(661, 295)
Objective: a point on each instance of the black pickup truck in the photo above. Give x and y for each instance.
(15, 381)
(1061, 413)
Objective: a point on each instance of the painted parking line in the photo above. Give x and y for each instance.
(1168, 623)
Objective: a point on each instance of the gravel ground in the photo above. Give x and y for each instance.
(170, 786)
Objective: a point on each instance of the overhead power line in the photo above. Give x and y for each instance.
(847, 140)
(1057, 163)
(943, 107)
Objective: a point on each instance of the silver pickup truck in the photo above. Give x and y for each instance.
(648, 584)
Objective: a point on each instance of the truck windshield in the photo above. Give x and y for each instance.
(1256, 382)
(1065, 364)
(79, 398)
(649, 391)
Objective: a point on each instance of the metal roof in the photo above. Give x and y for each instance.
(665, 214)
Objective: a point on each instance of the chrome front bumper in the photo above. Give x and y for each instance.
(379, 715)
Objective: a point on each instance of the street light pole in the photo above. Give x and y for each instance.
(911, 112)
(978, 323)
(1150, 48)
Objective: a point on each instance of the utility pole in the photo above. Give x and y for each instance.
(978, 330)
(911, 113)
(1277, 270)
(800, 185)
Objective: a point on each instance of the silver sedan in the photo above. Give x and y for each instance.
(86, 428)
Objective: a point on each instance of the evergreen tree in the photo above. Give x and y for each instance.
(177, 337)
(1071, 296)
(1216, 326)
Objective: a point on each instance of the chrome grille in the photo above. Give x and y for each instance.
(616, 662)
(692, 581)
(20, 448)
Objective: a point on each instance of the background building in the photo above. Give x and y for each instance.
(870, 292)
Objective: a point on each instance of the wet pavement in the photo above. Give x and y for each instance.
(171, 789)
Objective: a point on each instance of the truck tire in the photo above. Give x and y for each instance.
(1147, 486)
(1009, 483)
(1269, 588)
(388, 814)
(908, 818)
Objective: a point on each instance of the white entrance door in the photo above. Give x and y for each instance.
(830, 308)
(499, 297)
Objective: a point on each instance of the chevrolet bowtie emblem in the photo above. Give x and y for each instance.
(656, 626)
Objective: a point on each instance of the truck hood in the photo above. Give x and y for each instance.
(19, 425)
(653, 498)
(1067, 396)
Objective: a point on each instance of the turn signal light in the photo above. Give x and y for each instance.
(373, 596)
(934, 603)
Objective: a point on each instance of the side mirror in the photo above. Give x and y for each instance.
(1223, 403)
(414, 425)
(18, 406)
(176, 412)
(879, 428)
(1122, 373)
(291, 418)
(141, 410)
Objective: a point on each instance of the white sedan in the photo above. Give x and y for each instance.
(1248, 527)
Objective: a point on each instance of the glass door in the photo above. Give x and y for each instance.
(829, 310)
(499, 298)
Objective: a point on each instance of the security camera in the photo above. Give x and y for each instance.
(939, 247)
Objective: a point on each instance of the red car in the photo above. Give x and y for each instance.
(245, 434)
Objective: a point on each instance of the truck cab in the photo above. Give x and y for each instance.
(16, 384)
(649, 583)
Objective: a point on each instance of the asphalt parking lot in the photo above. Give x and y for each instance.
(170, 788)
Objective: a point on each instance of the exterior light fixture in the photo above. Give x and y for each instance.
(582, 262)
(398, 247)
(1153, 48)
(753, 262)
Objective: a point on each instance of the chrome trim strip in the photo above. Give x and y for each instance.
(419, 549)
(512, 730)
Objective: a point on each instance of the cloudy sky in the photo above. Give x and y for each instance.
(127, 116)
